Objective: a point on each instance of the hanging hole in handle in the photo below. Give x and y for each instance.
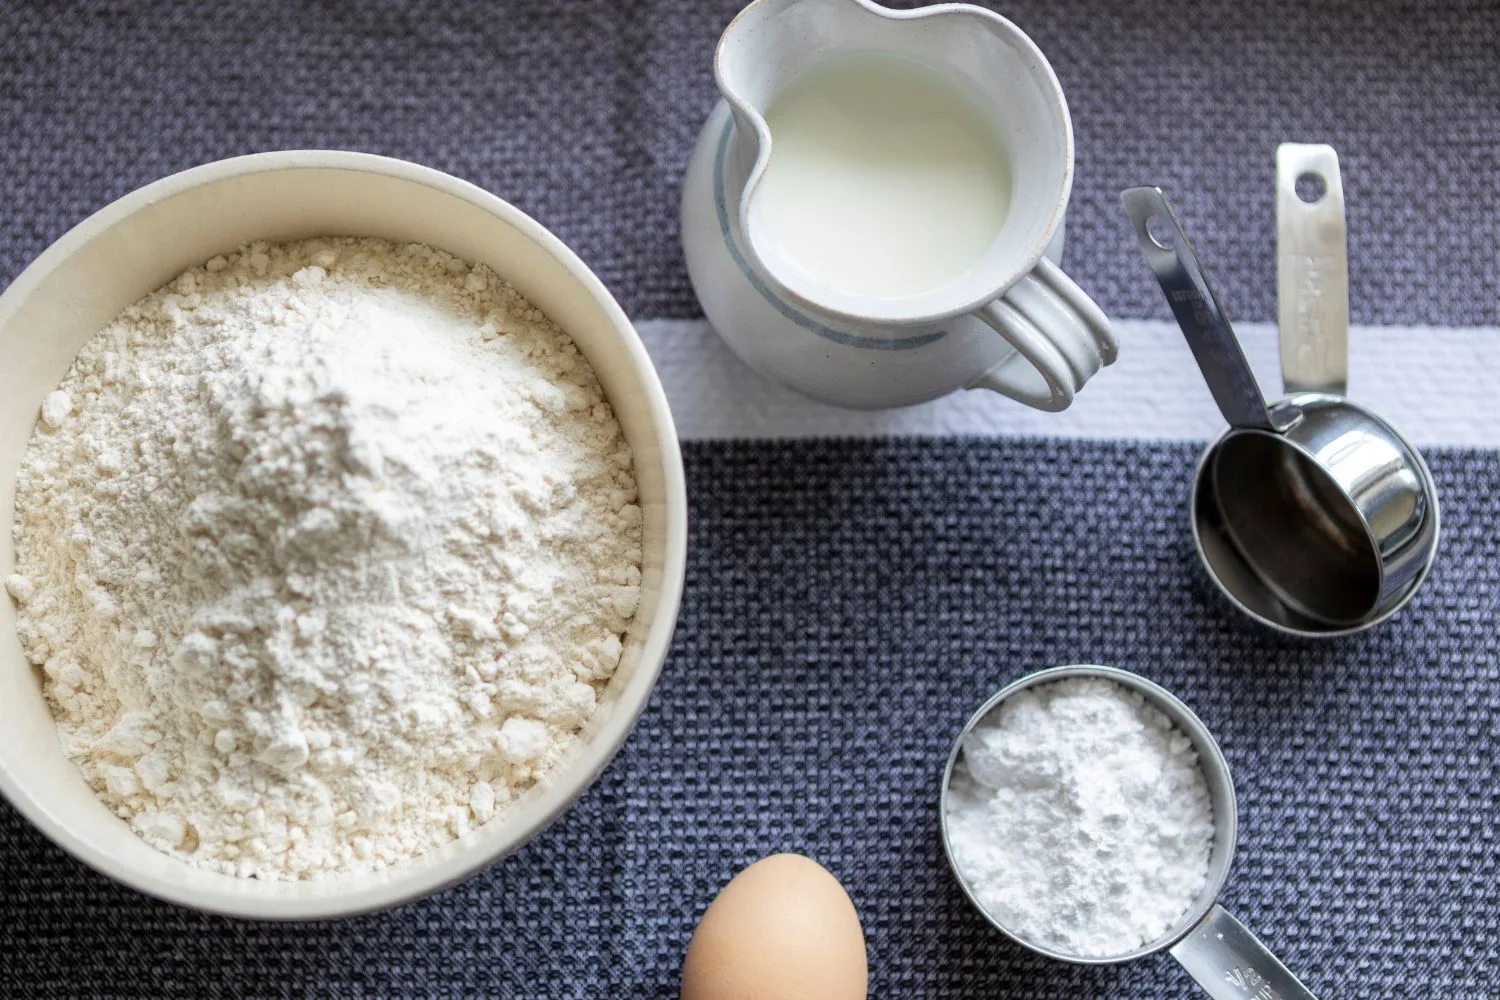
(1161, 232)
(1311, 187)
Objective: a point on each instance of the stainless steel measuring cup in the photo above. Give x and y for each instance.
(1312, 514)
(1227, 961)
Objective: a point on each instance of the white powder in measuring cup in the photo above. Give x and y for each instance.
(326, 552)
(1079, 816)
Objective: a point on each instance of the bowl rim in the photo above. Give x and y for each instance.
(399, 884)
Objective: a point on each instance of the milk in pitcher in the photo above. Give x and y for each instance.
(885, 180)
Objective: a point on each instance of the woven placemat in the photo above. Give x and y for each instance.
(582, 112)
(849, 603)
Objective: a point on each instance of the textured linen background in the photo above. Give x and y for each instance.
(849, 602)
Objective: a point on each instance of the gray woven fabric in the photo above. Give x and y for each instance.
(582, 112)
(848, 604)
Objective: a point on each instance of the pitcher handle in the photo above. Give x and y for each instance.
(1230, 963)
(1061, 339)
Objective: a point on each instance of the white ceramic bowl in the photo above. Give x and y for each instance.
(140, 242)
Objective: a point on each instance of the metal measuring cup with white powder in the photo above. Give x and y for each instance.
(1090, 816)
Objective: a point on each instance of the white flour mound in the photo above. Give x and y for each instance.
(325, 551)
(1080, 817)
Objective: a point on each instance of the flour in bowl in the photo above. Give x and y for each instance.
(326, 552)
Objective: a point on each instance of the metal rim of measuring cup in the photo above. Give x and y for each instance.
(1215, 774)
(1391, 603)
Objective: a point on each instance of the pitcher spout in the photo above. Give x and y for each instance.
(766, 45)
(770, 43)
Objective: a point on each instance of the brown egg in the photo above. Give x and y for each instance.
(782, 929)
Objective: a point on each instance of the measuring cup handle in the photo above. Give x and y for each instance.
(1061, 339)
(1312, 273)
(1230, 963)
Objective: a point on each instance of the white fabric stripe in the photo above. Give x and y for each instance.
(1438, 385)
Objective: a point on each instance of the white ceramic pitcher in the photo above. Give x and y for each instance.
(873, 352)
